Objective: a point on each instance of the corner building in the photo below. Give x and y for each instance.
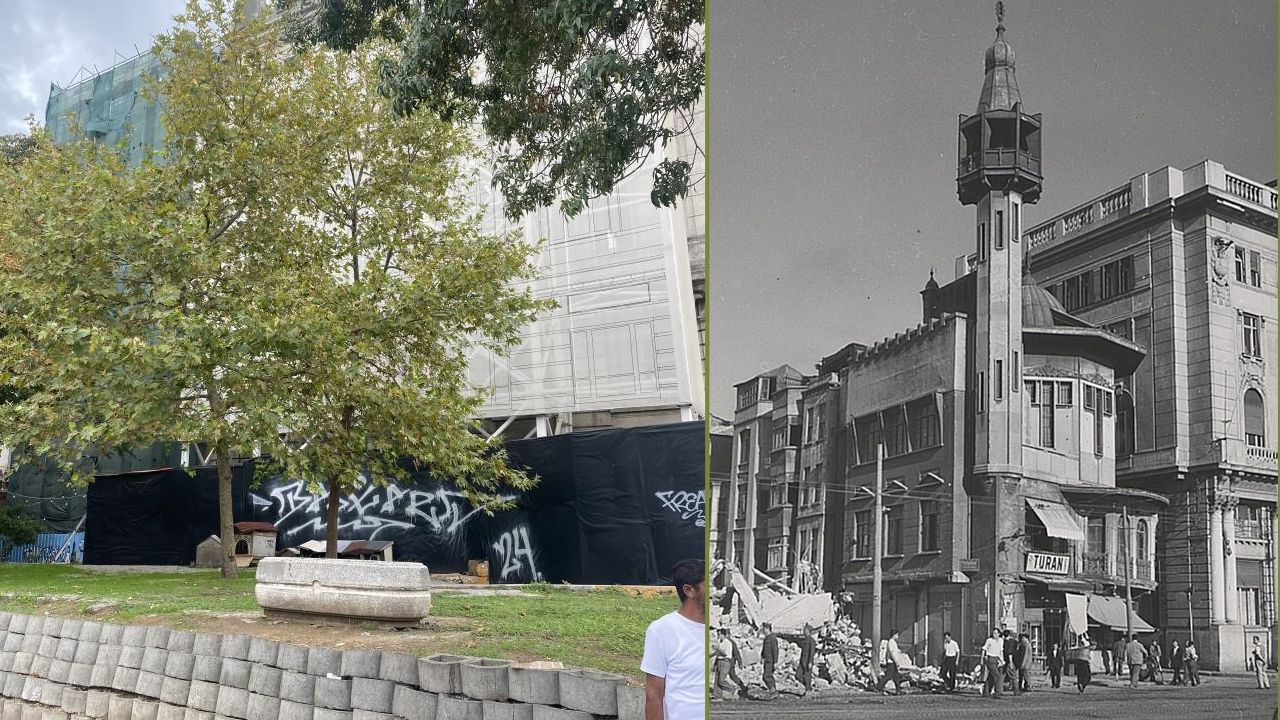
(998, 417)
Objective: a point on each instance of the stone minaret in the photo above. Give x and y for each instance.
(999, 171)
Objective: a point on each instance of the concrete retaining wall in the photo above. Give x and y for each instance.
(54, 668)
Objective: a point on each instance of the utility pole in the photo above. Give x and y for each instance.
(877, 572)
(1128, 589)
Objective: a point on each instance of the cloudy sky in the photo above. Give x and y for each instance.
(47, 41)
(832, 144)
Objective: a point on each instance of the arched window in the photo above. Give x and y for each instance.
(1255, 419)
(1142, 541)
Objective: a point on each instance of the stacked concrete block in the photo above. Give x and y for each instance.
(68, 668)
(590, 691)
(536, 686)
(485, 679)
(630, 703)
(452, 707)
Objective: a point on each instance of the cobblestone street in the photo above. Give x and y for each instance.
(1218, 698)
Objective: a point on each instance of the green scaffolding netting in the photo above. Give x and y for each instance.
(109, 108)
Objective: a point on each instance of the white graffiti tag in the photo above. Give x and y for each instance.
(687, 504)
(513, 550)
(374, 508)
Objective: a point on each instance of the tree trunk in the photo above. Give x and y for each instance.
(335, 492)
(331, 519)
(226, 519)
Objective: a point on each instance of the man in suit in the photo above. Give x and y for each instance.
(769, 655)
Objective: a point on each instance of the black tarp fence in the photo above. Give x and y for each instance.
(612, 506)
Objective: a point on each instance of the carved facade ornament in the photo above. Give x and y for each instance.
(1220, 277)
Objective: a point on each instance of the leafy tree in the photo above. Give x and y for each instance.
(16, 528)
(299, 259)
(574, 94)
(14, 147)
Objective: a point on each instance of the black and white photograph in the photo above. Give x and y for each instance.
(993, 397)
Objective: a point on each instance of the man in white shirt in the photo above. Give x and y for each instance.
(893, 661)
(992, 658)
(950, 659)
(675, 651)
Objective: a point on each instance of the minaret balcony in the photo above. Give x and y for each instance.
(999, 159)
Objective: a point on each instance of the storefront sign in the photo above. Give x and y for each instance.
(1051, 564)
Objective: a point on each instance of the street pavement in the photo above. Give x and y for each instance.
(1217, 698)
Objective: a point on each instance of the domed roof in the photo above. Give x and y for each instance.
(932, 284)
(1038, 304)
(1000, 53)
(999, 85)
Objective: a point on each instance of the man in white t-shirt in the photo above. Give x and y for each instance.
(675, 651)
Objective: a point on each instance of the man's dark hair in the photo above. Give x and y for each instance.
(688, 572)
(946, 634)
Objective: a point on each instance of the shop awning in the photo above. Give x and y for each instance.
(1077, 613)
(1058, 519)
(1110, 611)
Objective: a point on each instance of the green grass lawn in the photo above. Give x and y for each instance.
(602, 629)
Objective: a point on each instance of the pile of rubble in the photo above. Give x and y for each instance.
(843, 654)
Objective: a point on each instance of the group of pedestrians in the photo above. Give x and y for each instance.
(1006, 664)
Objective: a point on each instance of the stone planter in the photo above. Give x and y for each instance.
(442, 673)
(534, 685)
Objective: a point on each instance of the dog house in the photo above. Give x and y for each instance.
(254, 541)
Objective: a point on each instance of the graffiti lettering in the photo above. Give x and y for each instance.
(687, 504)
(372, 510)
(513, 550)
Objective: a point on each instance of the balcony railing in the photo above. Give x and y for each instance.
(999, 159)
(1238, 452)
(1256, 194)
(1095, 564)
(1139, 569)
(1250, 530)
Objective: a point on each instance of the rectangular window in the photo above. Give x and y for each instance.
(1096, 535)
(868, 430)
(1013, 219)
(815, 483)
(1242, 265)
(1121, 328)
(1064, 393)
(999, 229)
(895, 432)
(1108, 406)
(1097, 433)
(1047, 424)
(1255, 269)
(893, 530)
(997, 380)
(929, 526)
(779, 438)
(1252, 334)
(923, 416)
(742, 500)
(982, 242)
(863, 527)
(980, 402)
(1250, 605)
(808, 424)
(1090, 398)
(744, 447)
(820, 433)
